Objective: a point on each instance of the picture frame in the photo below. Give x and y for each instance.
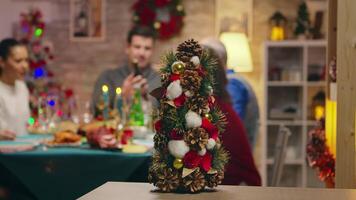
(234, 15)
(87, 20)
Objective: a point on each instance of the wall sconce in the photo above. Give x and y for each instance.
(238, 51)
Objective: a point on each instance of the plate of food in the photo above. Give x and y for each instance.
(16, 146)
(36, 130)
(65, 139)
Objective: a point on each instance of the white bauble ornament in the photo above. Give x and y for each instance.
(174, 90)
(178, 148)
(211, 91)
(211, 144)
(192, 119)
(195, 60)
(202, 152)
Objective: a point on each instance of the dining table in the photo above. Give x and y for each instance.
(145, 191)
(65, 173)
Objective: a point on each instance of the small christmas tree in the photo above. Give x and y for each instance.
(303, 22)
(46, 93)
(189, 155)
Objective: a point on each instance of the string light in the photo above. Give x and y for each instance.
(51, 103)
(39, 72)
(31, 121)
(38, 32)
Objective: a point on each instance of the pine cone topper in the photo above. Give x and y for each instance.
(188, 49)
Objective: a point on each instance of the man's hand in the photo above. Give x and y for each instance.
(7, 135)
(128, 86)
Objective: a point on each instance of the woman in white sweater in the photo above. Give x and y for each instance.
(14, 95)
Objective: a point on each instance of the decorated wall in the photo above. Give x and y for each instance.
(78, 64)
(90, 58)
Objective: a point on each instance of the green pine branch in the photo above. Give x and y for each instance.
(168, 59)
(219, 119)
(220, 158)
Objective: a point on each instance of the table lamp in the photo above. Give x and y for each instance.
(238, 51)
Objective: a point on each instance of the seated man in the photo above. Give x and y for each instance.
(139, 50)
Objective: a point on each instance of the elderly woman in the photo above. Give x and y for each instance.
(241, 168)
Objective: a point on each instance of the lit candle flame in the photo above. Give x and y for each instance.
(118, 90)
(105, 88)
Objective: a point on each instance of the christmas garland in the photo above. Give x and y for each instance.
(319, 155)
(165, 16)
(189, 155)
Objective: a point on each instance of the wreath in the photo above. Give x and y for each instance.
(164, 16)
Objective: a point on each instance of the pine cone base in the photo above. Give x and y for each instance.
(194, 182)
(166, 179)
(214, 180)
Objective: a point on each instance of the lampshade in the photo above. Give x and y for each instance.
(238, 51)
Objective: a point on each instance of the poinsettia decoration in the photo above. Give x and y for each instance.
(188, 124)
(165, 16)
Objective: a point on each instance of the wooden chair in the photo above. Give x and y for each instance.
(280, 154)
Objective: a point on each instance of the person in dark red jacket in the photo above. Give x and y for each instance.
(241, 167)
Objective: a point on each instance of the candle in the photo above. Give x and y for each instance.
(105, 90)
(118, 100)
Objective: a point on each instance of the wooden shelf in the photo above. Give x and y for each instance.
(284, 83)
(284, 55)
(285, 122)
(312, 122)
(296, 43)
(270, 161)
(316, 83)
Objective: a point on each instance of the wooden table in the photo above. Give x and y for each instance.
(143, 191)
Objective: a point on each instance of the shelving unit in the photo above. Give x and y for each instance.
(294, 86)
